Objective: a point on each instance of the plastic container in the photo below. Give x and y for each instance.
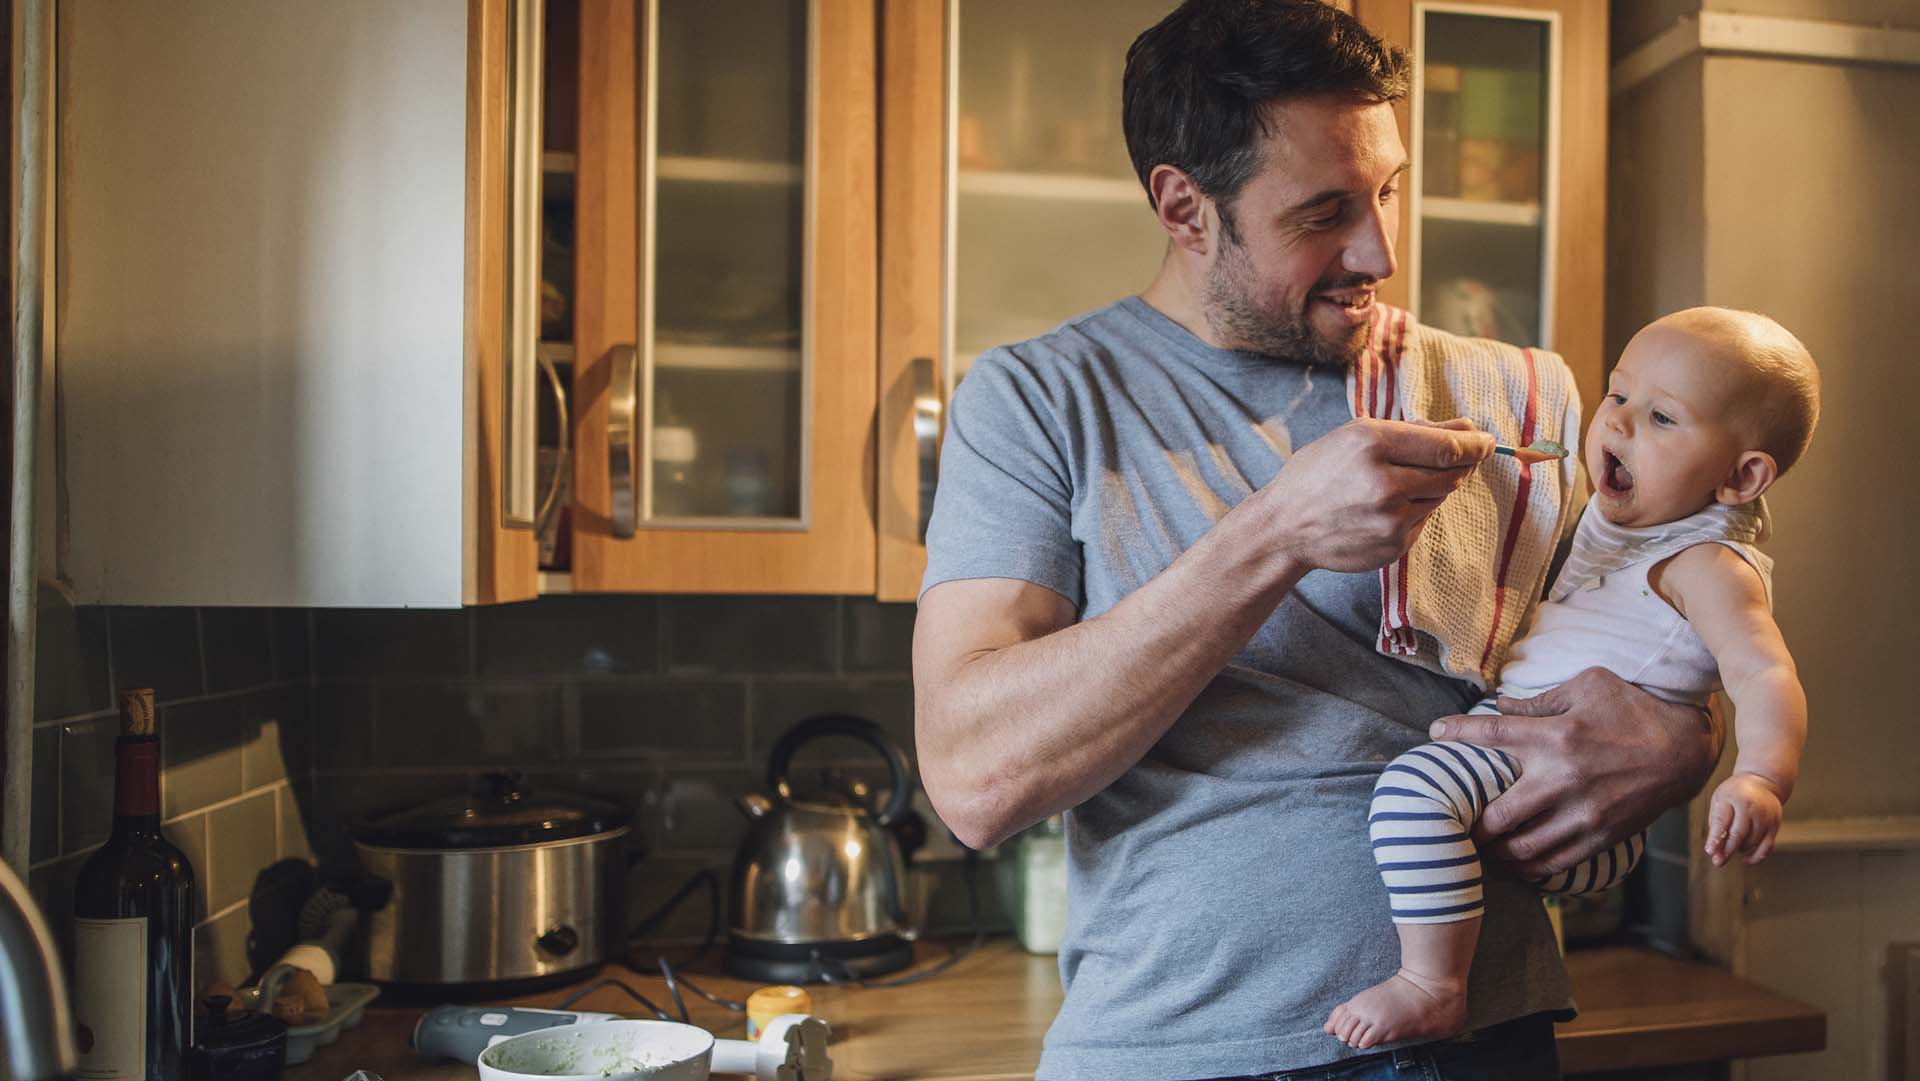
(1038, 900)
(770, 1002)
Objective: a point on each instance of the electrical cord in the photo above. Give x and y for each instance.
(829, 970)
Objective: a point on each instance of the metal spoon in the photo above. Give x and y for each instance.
(1540, 450)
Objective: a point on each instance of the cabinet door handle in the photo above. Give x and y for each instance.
(563, 458)
(623, 440)
(926, 436)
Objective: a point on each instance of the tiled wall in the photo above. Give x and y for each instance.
(281, 727)
(232, 688)
(667, 704)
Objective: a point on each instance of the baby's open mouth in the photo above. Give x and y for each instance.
(1619, 478)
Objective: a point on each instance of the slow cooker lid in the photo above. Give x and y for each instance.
(504, 812)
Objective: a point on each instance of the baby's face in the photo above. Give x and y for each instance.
(1661, 444)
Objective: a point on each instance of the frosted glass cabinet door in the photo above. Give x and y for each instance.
(724, 378)
(1484, 198)
(1048, 217)
(725, 271)
(1009, 205)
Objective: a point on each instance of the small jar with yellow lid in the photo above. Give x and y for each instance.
(770, 1002)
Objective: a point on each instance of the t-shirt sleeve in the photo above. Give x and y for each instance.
(1004, 506)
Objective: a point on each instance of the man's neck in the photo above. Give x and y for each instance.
(1176, 295)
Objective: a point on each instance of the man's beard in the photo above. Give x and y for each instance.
(1237, 319)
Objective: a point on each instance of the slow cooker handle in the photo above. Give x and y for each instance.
(845, 724)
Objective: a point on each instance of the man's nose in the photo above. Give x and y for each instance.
(1370, 248)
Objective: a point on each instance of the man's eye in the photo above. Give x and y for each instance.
(1387, 194)
(1661, 418)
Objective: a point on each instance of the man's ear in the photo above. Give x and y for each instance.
(1187, 215)
(1749, 478)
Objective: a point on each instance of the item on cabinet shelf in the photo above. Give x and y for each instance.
(1473, 308)
(793, 1048)
(1440, 167)
(1495, 171)
(236, 1045)
(461, 1033)
(817, 882)
(676, 453)
(1034, 882)
(749, 484)
(1500, 134)
(133, 924)
(509, 888)
(970, 145)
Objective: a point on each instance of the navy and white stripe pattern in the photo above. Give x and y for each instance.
(1424, 808)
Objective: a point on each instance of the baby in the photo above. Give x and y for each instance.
(1706, 409)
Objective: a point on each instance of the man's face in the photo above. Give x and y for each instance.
(1316, 227)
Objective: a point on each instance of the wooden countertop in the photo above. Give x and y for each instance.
(1638, 1009)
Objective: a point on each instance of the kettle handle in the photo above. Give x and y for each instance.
(845, 724)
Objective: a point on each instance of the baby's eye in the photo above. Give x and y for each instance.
(1616, 398)
(1661, 418)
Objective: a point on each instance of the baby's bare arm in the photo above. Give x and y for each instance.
(1722, 597)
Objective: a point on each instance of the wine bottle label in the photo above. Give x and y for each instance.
(110, 998)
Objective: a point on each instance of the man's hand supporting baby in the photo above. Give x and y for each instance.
(1601, 759)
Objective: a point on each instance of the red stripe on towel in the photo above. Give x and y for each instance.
(1514, 519)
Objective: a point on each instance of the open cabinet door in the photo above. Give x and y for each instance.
(725, 283)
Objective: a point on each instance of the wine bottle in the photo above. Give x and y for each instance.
(133, 925)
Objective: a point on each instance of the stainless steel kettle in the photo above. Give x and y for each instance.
(817, 882)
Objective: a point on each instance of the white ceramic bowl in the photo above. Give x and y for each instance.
(602, 1051)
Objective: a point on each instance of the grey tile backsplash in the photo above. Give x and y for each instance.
(282, 727)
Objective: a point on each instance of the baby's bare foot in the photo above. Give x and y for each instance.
(1405, 1006)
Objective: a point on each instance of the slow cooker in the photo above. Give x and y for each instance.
(507, 888)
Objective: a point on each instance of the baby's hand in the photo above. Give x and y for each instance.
(1744, 819)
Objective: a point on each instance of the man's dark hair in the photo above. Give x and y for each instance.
(1198, 82)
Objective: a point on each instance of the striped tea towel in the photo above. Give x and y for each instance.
(1456, 601)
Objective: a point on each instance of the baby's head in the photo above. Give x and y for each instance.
(1706, 405)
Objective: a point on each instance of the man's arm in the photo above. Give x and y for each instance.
(1600, 758)
(1020, 713)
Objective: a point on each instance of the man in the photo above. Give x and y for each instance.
(1133, 613)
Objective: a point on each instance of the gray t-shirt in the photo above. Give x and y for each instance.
(1223, 895)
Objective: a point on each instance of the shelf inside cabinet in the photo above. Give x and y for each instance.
(731, 358)
(1479, 211)
(729, 171)
(1059, 186)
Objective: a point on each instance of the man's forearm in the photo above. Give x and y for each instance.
(1013, 734)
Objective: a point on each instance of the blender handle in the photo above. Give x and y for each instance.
(845, 724)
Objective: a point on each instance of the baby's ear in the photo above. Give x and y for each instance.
(1752, 474)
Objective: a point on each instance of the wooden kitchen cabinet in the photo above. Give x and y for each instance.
(1503, 225)
(725, 282)
(1008, 206)
(293, 336)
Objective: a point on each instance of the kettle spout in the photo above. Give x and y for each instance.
(754, 805)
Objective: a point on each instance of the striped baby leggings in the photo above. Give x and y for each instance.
(1424, 807)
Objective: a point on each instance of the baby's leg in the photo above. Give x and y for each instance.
(1424, 808)
(1600, 873)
